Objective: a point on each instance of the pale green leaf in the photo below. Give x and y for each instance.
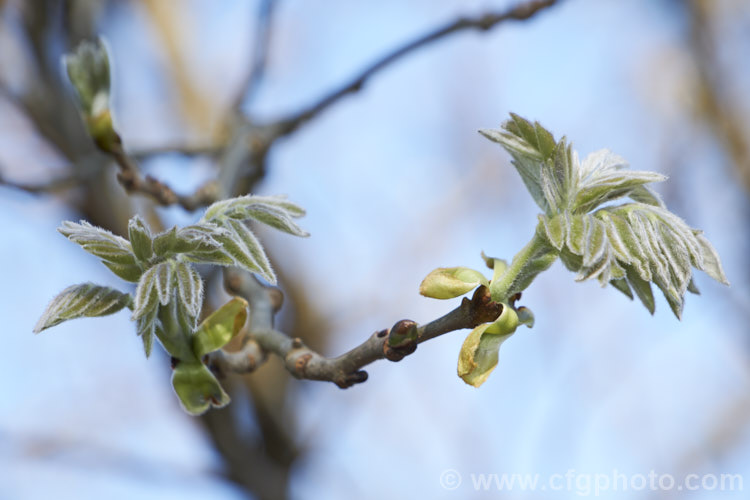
(479, 352)
(140, 239)
(163, 282)
(146, 328)
(114, 251)
(711, 262)
(197, 388)
(555, 229)
(166, 242)
(450, 282)
(220, 327)
(642, 289)
(79, 301)
(575, 239)
(88, 70)
(623, 286)
(189, 288)
(146, 296)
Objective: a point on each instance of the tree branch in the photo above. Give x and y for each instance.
(483, 22)
(346, 370)
(131, 179)
(260, 53)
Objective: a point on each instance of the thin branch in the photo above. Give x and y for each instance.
(346, 370)
(59, 184)
(260, 54)
(179, 149)
(134, 182)
(483, 22)
(77, 174)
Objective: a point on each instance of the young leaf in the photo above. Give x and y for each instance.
(197, 388)
(146, 328)
(220, 327)
(140, 239)
(555, 229)
(113, 250)
(198, 239)
(479, 352)
(163, 282)
(146, 295)
(451, 282)
(604, 177)
(274, 217)
(165, 243)
(249, 207)
(84, 300)
(88, 70)
(243, 247)
(556, 178)
(189, 288)
(630, 245)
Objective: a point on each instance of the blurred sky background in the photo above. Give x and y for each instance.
(397, 182)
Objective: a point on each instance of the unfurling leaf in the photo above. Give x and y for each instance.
(146, 295)
(189, 288)
(628, 246)
(479, 352)
(89, 73)
(451, 282)
(220, 327)
(114, 251)
(558, 181)
(88, 70)
(223, 223)
(243, 207)
(84, 300)
(140, 239)
(146, 329)
(163, 282)
(197, 388)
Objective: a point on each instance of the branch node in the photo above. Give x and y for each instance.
(276, 298)
(402, 340)
(482, 308)
(301, 363)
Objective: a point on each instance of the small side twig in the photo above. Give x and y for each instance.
(186, 149)
(134, 182)
(346, 370)
(259, 54)
(483, 22)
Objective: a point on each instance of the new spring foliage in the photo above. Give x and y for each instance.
(600, 218)
(168, 297)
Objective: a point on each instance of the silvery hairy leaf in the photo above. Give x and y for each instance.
(556, 178)
(629, 246)
(140, 239)
(79, 301)
(89, 73)
(115, 252)
(224, 224)
(146, 328)
(603, 177)
(150, 290)
(237, 208)
(189, 288)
